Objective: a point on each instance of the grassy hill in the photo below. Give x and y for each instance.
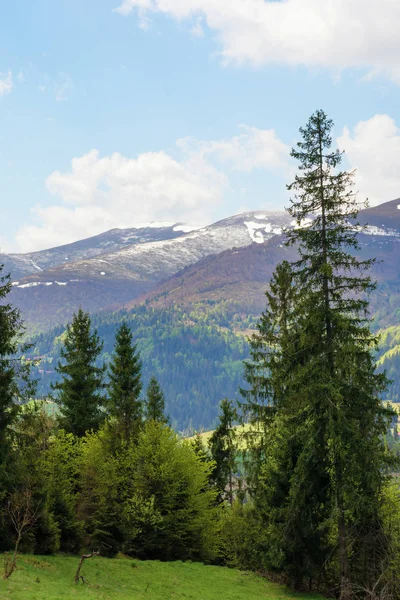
(51, 578)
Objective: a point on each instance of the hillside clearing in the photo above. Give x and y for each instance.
(51, 577)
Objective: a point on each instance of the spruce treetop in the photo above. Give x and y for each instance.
(125, 383)
(155, 403)
(80, 391)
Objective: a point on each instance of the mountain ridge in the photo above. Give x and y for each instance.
(115, 278)
(112, 272)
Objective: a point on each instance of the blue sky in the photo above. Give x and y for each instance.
(114, 112)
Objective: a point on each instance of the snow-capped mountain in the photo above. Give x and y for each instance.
(384, 219)
(117, 267)
(22, 265)
(111, 279)
(155, 260)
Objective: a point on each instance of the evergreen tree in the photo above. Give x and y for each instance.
(169, 512)
(80, 390)
(200, 449)
(15, 385)
(10, 325)
(155, 403)
(62, 469)
(294, 541)
(100, 493)
(125, 384)
(325, 458)
(223, 452)
(339, 379)
(265, 371)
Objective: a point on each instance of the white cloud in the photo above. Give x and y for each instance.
(373, 148)
(99, 193)
(329, 33)
(6, 83)
(253, 149)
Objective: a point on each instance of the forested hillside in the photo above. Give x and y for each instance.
(196, 357)
(196, 353)
(191, 328)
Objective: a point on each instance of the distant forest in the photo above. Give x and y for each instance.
(196, 354)
(197, 361)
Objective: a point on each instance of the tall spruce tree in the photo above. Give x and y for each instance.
(320, 377)
(15, 383)
(269, 349)
(125, 384)
(80, 390)
(10, 326)
(155, 403)
(274, 440)
(339, 379)
(223, 452)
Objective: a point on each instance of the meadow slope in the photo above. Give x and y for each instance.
(51, 578)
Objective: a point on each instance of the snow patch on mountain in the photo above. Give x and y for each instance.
(153, 225)
(257, 230)
(34, 284)
(374, 230)
(36, 266)
(303, 223)
(185, 228)
(254, 232)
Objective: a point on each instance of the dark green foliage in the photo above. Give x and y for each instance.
(223, 452)
(10, 326)
(346, 417)
(169, 511)
(244, 539)
(195, 360)
(80, 391)
(200, 449)
(125, 384)
(99, 499)
(321, 466)
(267, 369)
(15, 386)
(294, 543)
(32, 432)
(155, 403)
(46, 534)
(62, 472)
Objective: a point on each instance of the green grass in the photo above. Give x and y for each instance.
(51, 578)
(241, 430)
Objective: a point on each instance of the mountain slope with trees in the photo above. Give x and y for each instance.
(191, 331)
